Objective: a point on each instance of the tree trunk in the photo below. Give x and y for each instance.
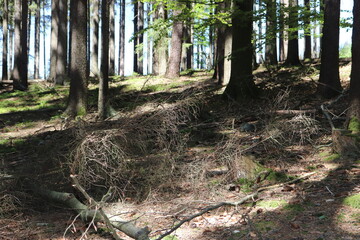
(173, 69)
(54, 39)
(354, 110)
(77, 104)
(20, 46)
(104, 69)
(149, 39)
(111, 44)
(61, 61)
(271, 30)
(28, 27)
(329, 82)
(241, 84)
(160, 57)
(11, 50)
(307, 52)
(37, 40)
(94, 70)
(282, 34)
(44, 40)
(136, 29)
(5, 41)
(24, 42)
(293, 45)
(122, 39)
(220, 46)
(140, 36)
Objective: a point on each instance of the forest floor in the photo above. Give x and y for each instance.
(182, 148)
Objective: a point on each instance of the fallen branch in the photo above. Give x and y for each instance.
(98, 205)
(294, 111)
(87, 214)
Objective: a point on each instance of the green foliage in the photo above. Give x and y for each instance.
(353, 201)
(345, 51)
(354, 125)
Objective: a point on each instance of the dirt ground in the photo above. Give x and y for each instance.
(310, 209)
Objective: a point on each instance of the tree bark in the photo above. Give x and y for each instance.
(136, 29)
(283, 34)
(37, 40)
(24, 42)
(104, 69)
(77, 104)
(44, 40)
(20, 44)
(354, 107)
(329, 82)
(95, 38)
(111, 44)
(220, 46)
(241, 84)
(5, 41)
(173, 69)
(61, 61)
(140, 36)
(160, 56)
(307, 52)
(54, 39)
(122, 39)
(293, 44)
(271, 30)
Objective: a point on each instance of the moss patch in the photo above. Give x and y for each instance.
(275, 177)
(354, 125)
(271, 203)
(353, 201)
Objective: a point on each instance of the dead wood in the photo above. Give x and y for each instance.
(88, 214)
(294, 112)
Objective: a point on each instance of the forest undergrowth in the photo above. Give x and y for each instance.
(174, 148)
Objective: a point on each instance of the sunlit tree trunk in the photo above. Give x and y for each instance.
(77, 104)
(54, 38)
(329, 82)
(293, 45)
(173, 69)
(44, 40)
(220, 44)
(94, 62)
(141, 38)
(136, 29)
(5, 41)
(122, 39)
(282, 32)
(307, 52)
(61, 52)
(112, 38)
(104, 69)
(241, 84)
(37, 40)
(160, 57)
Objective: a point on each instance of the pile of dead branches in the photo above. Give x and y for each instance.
(135, 154)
